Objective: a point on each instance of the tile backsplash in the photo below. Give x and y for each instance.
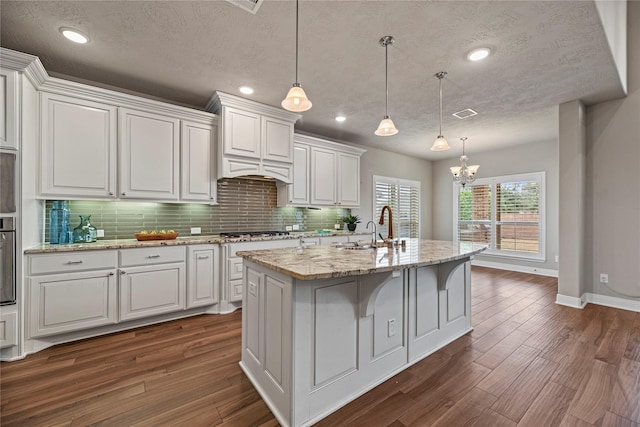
(244, 205)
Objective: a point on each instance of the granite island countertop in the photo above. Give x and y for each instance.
(324, 262)
(188, 240)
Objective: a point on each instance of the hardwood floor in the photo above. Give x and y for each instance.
(528, 362)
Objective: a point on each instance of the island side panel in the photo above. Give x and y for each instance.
(267, 337)
(440, 306)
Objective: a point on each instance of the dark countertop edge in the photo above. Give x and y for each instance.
(102, 245)
(359, 271)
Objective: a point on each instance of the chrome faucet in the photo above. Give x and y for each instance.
(381, 222)
(374, 233)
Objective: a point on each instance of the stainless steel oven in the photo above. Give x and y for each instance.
(7, 261)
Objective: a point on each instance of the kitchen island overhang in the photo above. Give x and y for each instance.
(323, 325)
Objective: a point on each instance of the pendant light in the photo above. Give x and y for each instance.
(386, 127)
(296, 99)
(464, 174)
(440, 144)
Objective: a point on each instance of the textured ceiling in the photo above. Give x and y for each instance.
(544, 54)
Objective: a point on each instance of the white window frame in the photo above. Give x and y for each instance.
(492, 181)
(397, 182)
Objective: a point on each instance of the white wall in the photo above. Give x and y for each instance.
(612, 233)
(536, 157)
(385, 163)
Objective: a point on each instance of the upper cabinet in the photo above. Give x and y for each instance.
(149, 153)
(198, 162)
(325, 173)
(256, 139)
(78, 147)
(164, 152)
(8, 109)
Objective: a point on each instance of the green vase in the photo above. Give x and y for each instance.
(85, 232)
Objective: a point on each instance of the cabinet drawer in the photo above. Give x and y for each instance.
(235, 268)
(235, 291)
(153, 255)
(72, 261)
(8, 330)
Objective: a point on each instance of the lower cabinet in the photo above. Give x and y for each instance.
(72, 291)
(202, 282)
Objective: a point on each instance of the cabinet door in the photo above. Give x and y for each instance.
(202, 283)
(241, 133)
(198, 174)
(78, 147)
(348, 180)
(277, 140)
(71, 301)
(8, 109)
(149, 155)
(299, 189)
(151, 289)
(323, 177)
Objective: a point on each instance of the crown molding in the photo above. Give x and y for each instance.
(221, 99)
(30, 65)
(324, 143)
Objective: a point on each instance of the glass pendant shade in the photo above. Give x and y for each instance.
(386, 127)
(473, 169)
(455, 170)
(296, 99)
(440, 144)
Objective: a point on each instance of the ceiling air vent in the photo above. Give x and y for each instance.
(248, 5)
(466, 113)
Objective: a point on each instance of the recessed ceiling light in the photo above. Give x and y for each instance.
(74, 35)
(478, 54)
(246, 90)
(340, 118)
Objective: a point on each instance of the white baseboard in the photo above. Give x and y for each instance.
(605, 300)
(615, 302)
(514, 267)
(574, 302)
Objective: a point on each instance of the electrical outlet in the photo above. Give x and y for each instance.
(336, 226)
(557, 258)
(296, 227)
(604, 278)
(391, 326)
(99, 233)
(196, 230)
(288, 228)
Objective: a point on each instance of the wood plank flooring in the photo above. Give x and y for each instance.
(528, 362)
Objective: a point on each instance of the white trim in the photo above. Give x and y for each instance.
(515, 267)
(397, 182)
(574, 302)
(615, 302)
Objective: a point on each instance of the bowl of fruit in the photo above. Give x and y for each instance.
(156, 235)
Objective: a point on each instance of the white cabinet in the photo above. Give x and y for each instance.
(198, 180)
(78, 147)
(203, 275)
(8, 329)
(8, 109)
(71, 291)
(149, 155)
(256, 139)
(325, 173)
(152, 281)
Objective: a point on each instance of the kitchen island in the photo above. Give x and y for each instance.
(323, 325)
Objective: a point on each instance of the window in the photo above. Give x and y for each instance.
(506, 213)
(403, 197)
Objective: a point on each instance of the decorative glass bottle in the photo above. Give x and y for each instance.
(59, 223)
(85, 232)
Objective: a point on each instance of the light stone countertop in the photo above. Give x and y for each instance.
(189, 240)
(324, 262)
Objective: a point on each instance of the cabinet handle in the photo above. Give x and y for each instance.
(124, 194)
(110, 274)
(123, 272)
(203, 257)
(111, 193)
(153, 256)
(74, 262)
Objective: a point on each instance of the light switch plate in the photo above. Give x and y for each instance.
(336, 226)
(196, 230)
(288, 228)
(296, 227)
(99, 233)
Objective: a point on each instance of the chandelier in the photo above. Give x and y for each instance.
(464, 174)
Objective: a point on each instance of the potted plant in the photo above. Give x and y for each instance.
(351, 221)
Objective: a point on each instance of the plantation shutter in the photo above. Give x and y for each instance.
(403, 197)
(518, 216)
(474, 213)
